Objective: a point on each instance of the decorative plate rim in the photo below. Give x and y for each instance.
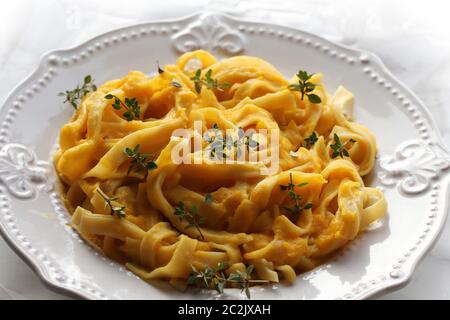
(383, 287)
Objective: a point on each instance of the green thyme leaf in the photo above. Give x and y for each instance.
(208, 198)
(118, 211)
(159, 68)
(339, 148)
(190, 216)
(139, 161)
(310, 141)
(296, 209)
(133, 110)
(313, 98)
(75, 96)
(176, 84)
(215, 278)
(207, 81)
(304, 86)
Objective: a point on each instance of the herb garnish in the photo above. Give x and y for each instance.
(248, 140)
(115, 210)
(131, 105)
(219, 144)
(215, 278)
(296, 208)
(305, 87)
(159, 68)
(74, 96)
(139, 161)
(190, 216)
(208, 81)
(175, 84)
(339, 149)
(208, 198)
(310, 141)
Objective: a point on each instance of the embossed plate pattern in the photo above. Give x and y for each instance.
(412, 165)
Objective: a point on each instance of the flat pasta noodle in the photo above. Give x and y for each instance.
(251, 217)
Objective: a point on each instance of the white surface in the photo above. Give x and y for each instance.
(36, 222)
(411, 40)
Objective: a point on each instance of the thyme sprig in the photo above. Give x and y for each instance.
(305, 87)
(310, 141)
(176, 84)
(117, 211)
(339, 148)
(207, 81)
(190, 215)
(249, 142)
(75, 96)
(296, 209)
(219, 144)
(132, 107)
(215, 278)
(208, 198)
(139, 161)
(160, 70)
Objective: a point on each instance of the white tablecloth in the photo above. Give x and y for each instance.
(411, 37)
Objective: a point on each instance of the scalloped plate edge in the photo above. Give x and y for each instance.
(375, 291)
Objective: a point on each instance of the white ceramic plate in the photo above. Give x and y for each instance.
(412, 167)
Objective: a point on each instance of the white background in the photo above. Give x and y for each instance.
(411, 37)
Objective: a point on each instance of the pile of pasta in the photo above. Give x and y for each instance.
(246, 222)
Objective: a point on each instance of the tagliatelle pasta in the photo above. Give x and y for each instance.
(283, 214)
